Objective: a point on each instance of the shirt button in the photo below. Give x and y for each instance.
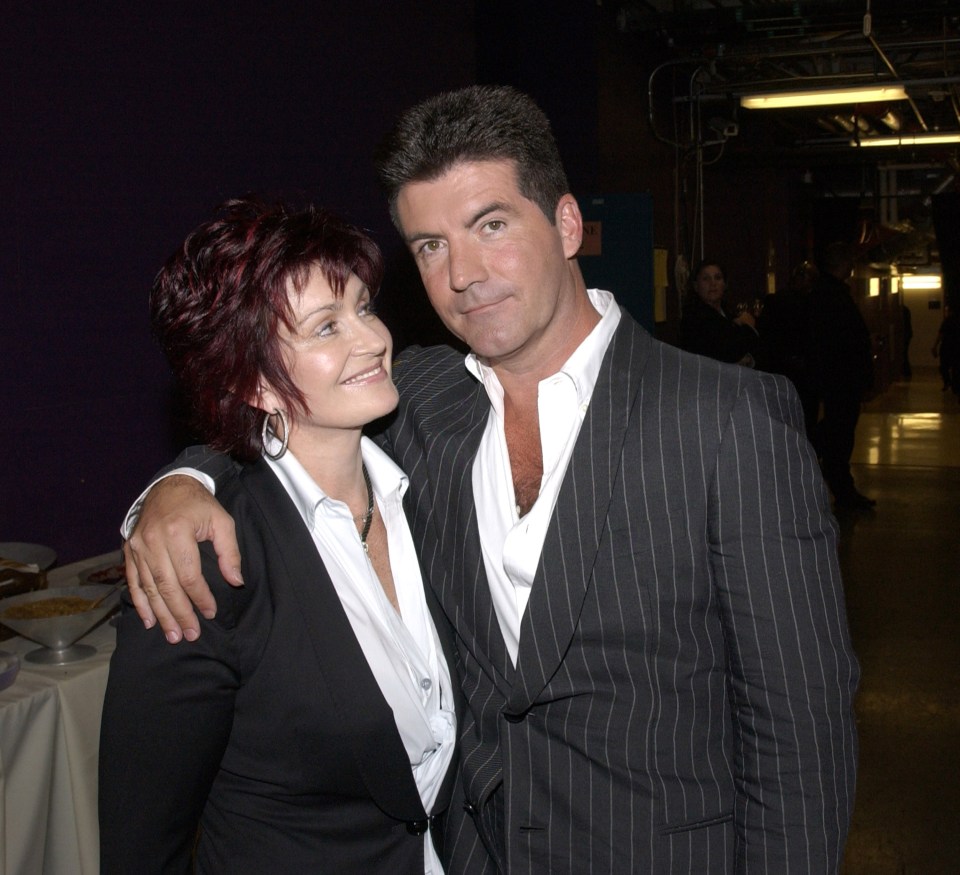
(426, 683)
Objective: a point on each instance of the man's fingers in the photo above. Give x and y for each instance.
(139, 598)
(149, 599)
(174, 577)
(223, 536)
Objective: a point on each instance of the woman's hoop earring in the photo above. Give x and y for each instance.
(265, 431)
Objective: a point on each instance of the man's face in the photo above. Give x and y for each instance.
(497, 272)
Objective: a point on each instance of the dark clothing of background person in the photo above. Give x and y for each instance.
(783, 326)
(705, 331)
(907, 337)
(841, 363)
(947, 346)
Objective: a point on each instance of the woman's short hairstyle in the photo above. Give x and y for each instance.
(479, 123)
(218, 303)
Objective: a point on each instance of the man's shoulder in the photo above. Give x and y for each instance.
(426, 371)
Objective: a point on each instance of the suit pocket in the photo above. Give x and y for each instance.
(698, 824)
(704, 846)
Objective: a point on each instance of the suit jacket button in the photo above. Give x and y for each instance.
(470, 808)
(514, 718)
(417, 827)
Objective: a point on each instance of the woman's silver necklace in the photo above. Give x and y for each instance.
(366, 518)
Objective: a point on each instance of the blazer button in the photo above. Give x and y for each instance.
(470, 808)
(417, 827)
(514, 718)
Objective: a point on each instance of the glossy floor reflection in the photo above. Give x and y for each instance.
(901, 565)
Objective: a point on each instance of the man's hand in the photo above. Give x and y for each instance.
(163, 560)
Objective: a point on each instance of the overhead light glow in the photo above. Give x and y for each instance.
(823, 97)
(874, 287)
(908, 140)
(925, 281)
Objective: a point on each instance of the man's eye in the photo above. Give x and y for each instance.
(495, 225)
(430, 246)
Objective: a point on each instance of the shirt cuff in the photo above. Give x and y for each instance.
(130, 520)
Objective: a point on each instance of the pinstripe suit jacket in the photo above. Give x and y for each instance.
(682, 699)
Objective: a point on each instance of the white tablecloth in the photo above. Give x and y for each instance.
(49, 737)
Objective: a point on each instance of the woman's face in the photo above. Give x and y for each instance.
(710, 284)
(339, 356)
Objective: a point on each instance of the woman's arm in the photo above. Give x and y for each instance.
(167, 717)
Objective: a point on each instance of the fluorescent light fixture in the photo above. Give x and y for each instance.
(823, 97)
(925, 281)
(874, 287)
(908, 140)
(894, 284)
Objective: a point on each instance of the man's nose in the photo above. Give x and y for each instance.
(465, 266)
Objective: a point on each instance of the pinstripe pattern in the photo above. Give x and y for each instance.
(683, 694)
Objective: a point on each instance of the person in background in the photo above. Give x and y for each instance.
(907, 337)
(841, 369)
(311, 727)
(633, 544)
(784, 331)
(947, 348)
(706, 328)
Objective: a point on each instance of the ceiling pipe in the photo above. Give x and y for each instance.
(893, 72)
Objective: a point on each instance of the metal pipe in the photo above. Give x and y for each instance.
(893, 72)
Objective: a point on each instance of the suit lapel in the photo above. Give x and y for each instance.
(458, 576)
(338, 656)
(573, 538)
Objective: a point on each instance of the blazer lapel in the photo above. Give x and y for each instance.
(339, 658)
(446, 520)
(573, 538)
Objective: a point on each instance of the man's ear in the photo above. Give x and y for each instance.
(569, 221)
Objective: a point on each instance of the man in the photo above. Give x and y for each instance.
(633, 544)
(841, 356)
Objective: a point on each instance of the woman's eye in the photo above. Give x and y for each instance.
(367, 308)
(326, 329)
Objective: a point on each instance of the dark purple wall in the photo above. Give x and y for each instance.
(121, 130)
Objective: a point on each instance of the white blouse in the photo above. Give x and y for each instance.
(403, 649)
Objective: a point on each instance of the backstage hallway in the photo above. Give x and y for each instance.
(901, 566)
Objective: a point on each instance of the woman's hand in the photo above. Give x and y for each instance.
(163, 560)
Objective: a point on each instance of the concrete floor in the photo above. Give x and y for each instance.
(901, 564)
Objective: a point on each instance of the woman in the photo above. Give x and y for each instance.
(707, 329)
(311, 726)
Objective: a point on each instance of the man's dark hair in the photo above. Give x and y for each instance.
(839, 259)
(479, 123)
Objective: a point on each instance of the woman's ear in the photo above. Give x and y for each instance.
(264, 398)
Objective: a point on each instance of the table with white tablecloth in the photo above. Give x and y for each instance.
(49, 739)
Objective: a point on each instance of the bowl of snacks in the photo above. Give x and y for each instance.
(113, 573)
(57, 618)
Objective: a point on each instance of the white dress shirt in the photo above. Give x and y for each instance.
(403, 649)
(512, 544)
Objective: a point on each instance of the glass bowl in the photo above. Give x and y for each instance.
(58, 634)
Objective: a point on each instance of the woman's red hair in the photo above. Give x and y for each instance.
(218, 303)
